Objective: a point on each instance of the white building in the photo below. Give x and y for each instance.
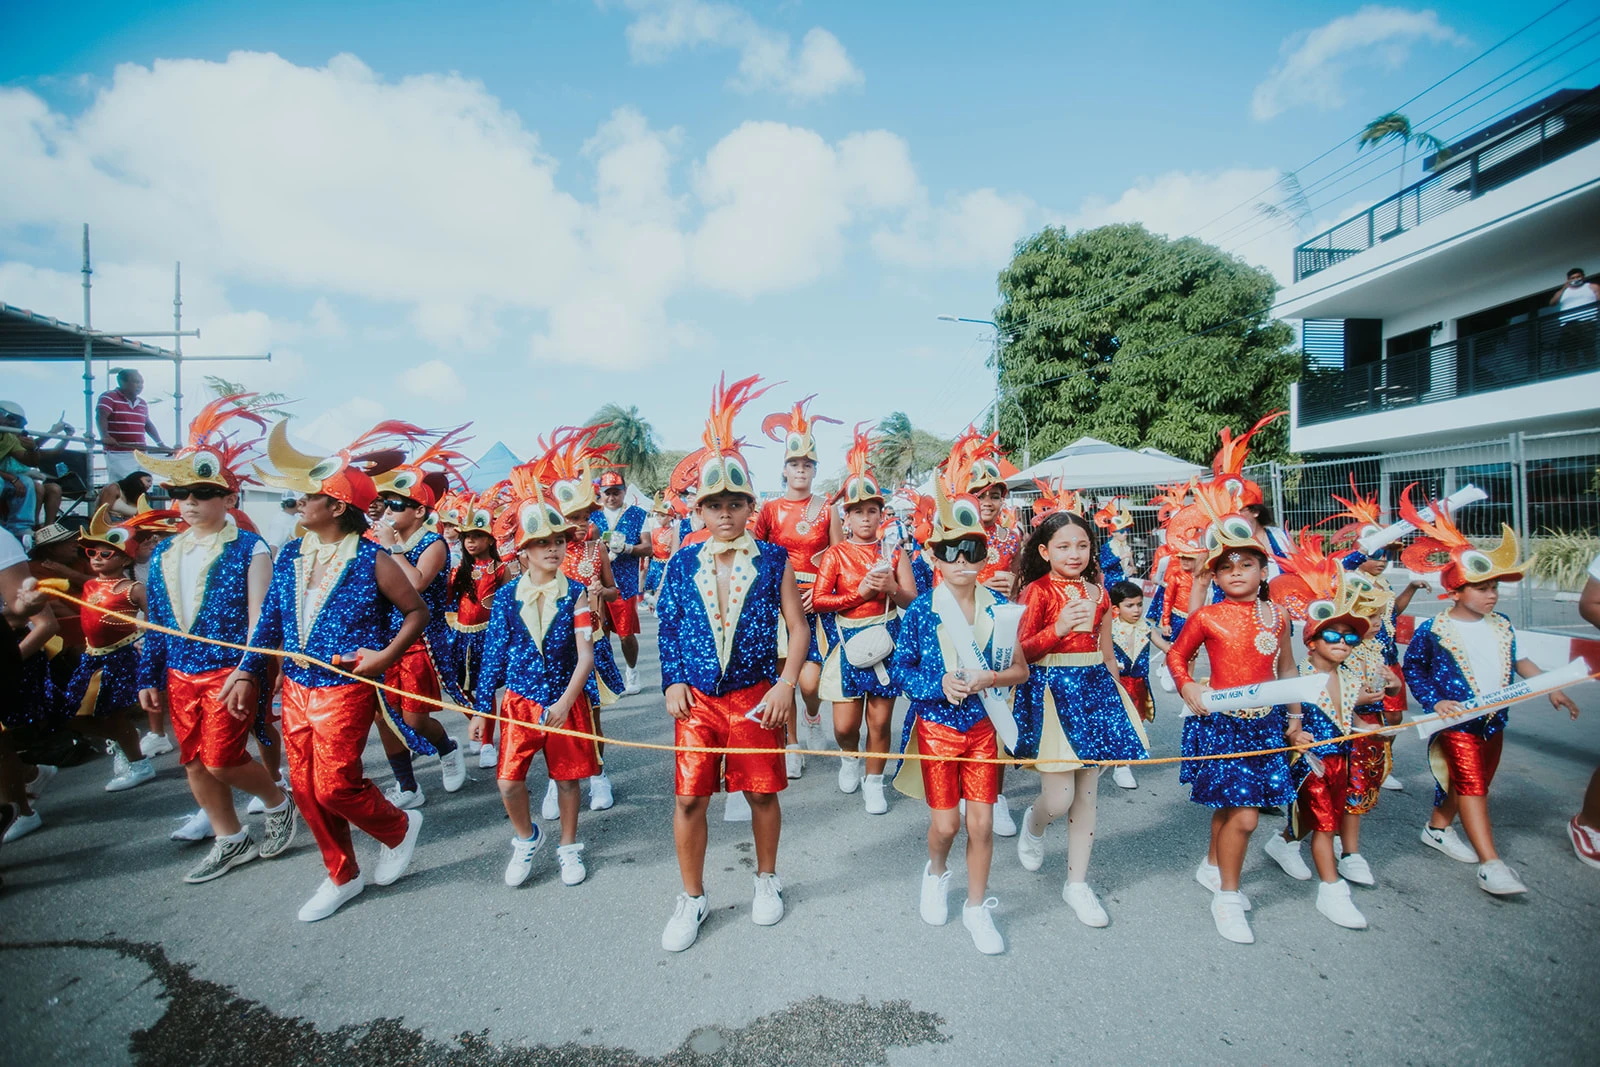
(1425, 319)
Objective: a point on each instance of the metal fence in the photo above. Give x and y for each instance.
(1545, 487)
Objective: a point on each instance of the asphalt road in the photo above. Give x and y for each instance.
(106, 956)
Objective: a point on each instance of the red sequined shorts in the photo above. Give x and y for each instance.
(1469, 761)
(415, 674)
(624, 615)
(946, 784)
(568, 759)
(719, 722)
(206, 730)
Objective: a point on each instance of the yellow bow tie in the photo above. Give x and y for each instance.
(549, 590)
(318, 551)
(199, 543)
(742, 543)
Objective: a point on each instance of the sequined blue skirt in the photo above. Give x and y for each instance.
(467, 651)
(1091, 706)
(36, 700)
(841, 681)
(652, 575)
(1242, 781)
(111, 680)
(605, 684)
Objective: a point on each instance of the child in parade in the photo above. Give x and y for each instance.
(33, 701)
(1132, 638)
(209, 581)
(1072, 707)
(473, 585)
(538, 646)
(805, 525)
(621, 526)
(1463, 652)
(1116, 555)
(950, 714)
(333, 597)
(1246, 640)
(859, 591)
(719, 610)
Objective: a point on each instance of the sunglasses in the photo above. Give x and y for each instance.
(199, 492)
(971, 549)
(1334, 637)
(399, 505)
(101, 553)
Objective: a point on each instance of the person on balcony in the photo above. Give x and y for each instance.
(1577, 300)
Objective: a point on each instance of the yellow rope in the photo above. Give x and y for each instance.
(300, 659)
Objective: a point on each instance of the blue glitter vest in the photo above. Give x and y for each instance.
(223, 615)
(512, 658)
(355, 615)
(688, 648)
(630, 524)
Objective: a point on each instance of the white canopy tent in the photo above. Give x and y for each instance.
(1089, 463)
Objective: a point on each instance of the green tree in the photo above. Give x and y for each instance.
(655, 480)
(1139, 340)
(638, 451)
(904, 450)
(1396, 127)
(265, 403)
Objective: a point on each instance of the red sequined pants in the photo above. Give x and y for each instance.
(568, 759)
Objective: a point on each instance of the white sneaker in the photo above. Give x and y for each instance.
(1122, 775)
(794, 764)
(329, 898)
(41, 779)
(1390, 782)
(139, 772)
(1354, 868)
(850, 772)
(488, 758)
(571, 859)
(630, 681)
(23, 826)
(1495, 877)
(935, 902)
(392, 862)
(736, 808)
(474, 747)
(767, 908)
(600, 795)
(684, 926)
(1227, 911)
(1210, 876)
(1085, 905)
(405, 799)
(1333, 900)
(872, 794)
(119, 762)
(1449, 843)
(980, 924)
(1286, 854)
(1004, 826)
(454, 766)
(1164, 679)
(521, 863)
(196, 827)
(1030, 849)
(550, 807)
(154, 745)
(257, 806)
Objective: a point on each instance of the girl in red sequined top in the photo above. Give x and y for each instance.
(104, 692)
(472, 588)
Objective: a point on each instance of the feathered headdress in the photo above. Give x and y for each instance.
(449, 509)
(427, 478)
(346, 475)
(1114, 516)
(1169, 501)
(212, 455)
(860, 485)
(530, 512)
(568, 466)
(955, 509)
(1364, 514)
(793, 428)
(1052, 499)
(1189, 527)
(124, 535)
(478, 511)
(1227, 467)
(981, 456)
(719, 465)
(1445, 549)
(1315, 589)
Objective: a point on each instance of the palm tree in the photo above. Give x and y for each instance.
(638, 451)
(904, 450)
(262, 403)
(1396, 127)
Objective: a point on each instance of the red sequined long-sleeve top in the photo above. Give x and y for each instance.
(1241, 639)
(475, 607)
(839, 575)
(1042, 601)
(1179, 587)
(802, 527)
(107, 594)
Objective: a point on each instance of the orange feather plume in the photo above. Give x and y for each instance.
(1359, 508)
(726, 403)
(1230, 458)
(796, 420)
(1055, 498)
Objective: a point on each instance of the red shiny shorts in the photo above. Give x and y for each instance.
(719, 722)
(206, 730)
(1469, 761)
(1139, 692)
(946, 784)
(624, 615)
(568, 759)
(415, 674)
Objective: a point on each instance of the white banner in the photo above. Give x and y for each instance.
(1515, 693)
(1306, 689)
(1470, 494)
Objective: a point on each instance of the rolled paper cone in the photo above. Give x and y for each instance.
(1007, 618)
(1515, 693)
(1308, 688)
(1457, 500)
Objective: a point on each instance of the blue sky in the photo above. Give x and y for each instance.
(514, 212)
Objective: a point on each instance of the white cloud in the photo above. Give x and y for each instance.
(338, 425)
(976, 229)
(435, 381)
(767, 57)
(1314, 63)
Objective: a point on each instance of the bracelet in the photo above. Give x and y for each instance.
(1292, 718)
(785, 681)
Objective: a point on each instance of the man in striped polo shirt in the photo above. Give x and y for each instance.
(124, 422)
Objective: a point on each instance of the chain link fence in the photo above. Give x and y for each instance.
(1545, 487)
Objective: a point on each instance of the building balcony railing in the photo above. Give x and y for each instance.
(1466, 177)
(1552, 345)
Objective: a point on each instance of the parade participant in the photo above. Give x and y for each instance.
(1116, 556)
(104, 689)
(447, 519)
(1464, 651)
(332, 599)
(1336, 782)
(1132, 637)
(719, 610)
(538, 647)
(472, 590)
(621, 526)
(663, 543)
(28, 697)
(209, 582)
(804, 524)
(1246, 640)
(1072, 707)
(409, 492)
(857, 593)
(948, 715)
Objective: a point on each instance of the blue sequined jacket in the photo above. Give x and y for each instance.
(630, 524)
(919, 662)
(1435, 671)
(688, 648)
(223, 614)
(512, 658)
